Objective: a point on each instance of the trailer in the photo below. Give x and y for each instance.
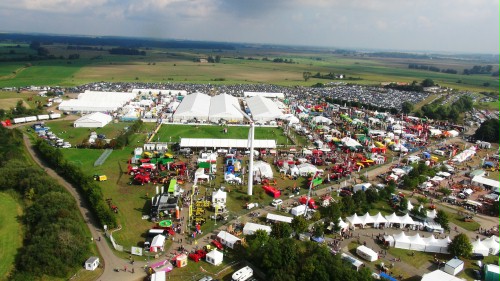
(54, 115)
(30, 118)
(19, 120)
(43, 117)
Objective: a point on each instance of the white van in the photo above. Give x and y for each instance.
(438, 152)
(243, 274)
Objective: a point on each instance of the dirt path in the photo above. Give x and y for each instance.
(110, 261)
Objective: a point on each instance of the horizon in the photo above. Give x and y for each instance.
(466, 26)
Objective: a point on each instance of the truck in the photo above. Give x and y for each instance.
(243, 274)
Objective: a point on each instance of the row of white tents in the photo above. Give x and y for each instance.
(379, 219)
(200, 106)
(418, 243)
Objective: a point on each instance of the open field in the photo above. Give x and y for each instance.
(10, 232)
(173, 133)
(177, 65)
(11, 103)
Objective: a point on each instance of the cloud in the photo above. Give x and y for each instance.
(53, 6)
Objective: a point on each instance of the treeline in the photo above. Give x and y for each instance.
(84, 48)
(55, 242)
(85, 185)
(278, 60)
(431, 68)
(446, 112)
(116, 41)
(398, 55)
(330, 76)
(478, 69)
(488, 131)
(127, 52)
(290, 259)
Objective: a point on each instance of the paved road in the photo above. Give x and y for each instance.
(110, 260)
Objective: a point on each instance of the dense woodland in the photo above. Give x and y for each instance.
(55, 239)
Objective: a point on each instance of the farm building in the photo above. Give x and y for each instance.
(263, 109)
(194, 106)
(224, 107)
(93, 120)
(92, 101)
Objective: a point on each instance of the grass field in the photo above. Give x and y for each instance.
(10, 232)
(173, 133)
(163, 65)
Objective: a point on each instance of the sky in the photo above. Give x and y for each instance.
(463, 26)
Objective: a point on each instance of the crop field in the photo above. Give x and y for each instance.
(173, 133)
(177, 65)
(10, 233)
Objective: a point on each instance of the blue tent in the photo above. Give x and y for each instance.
(387, 277)
(317, 239)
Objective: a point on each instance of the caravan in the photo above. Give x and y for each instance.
(243, 274)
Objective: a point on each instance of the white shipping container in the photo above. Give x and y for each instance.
(55, 115)
(30, 118)
(19, 120)
(43, 117)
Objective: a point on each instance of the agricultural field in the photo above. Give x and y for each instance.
(10, 232)
(236, 66)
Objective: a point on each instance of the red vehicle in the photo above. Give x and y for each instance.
(198, 255)
(217, 244)
(312, 204)
(142, 179)
(272, 191)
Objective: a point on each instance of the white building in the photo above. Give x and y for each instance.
(228, 239)
(92, 101)
(93, 120)
(92, 263)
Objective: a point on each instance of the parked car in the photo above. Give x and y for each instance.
(276, 202)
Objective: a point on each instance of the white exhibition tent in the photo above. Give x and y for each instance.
(250, 228)
(214, 257)
(228, 239)
(219, 197)
(464, 155)
(278, 218)
(354, 220)
(196, 105)
(224, 106)
(321, 120)
(157, 243)
(291, 119)
(492, 245)
(478, 247)
(306, 169)
(263, 109)
(349, 142)
(263, 169)
(93, 101)
(226, 143)
(419, 243)
(440, 275)
(93, 120)
(367, 253)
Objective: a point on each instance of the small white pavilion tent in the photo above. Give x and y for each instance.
(354, 220)
(492, 245)
(478, 247)
(214, 257)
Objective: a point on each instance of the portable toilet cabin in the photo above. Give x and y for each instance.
(181, 260)
(92, 263)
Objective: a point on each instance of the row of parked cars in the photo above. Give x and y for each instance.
(44, 132)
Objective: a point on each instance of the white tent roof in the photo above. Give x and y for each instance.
(321, 119)
(93, 120)
(263, 168)
(223, 107)
(378, 218)
(250, 228)
(479, 248)
(406, 219)
(159, 276)
(307, 168)
(215, 256)
(226, 143)
(226, 236)
(439, 275)
(393, 218)
(347, 141)
(196, 105)
(366, 219)
(279, 218)
(263, 109)
(485, 181)
(93, 101)
(431, 214)
(291, 119)
(158, 241)
(354, 219)
(219, 194)
(492, 245)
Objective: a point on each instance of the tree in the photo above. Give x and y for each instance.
(488, 131)
(299, 224)
(306, 75)
(318, 230)
(442, 219)
(427, 83)
(281, 230)
(407, 107)
(333, 213)
(348, 206)
(460, 246)
(445, 191)
(403, 204)
(372, 195)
